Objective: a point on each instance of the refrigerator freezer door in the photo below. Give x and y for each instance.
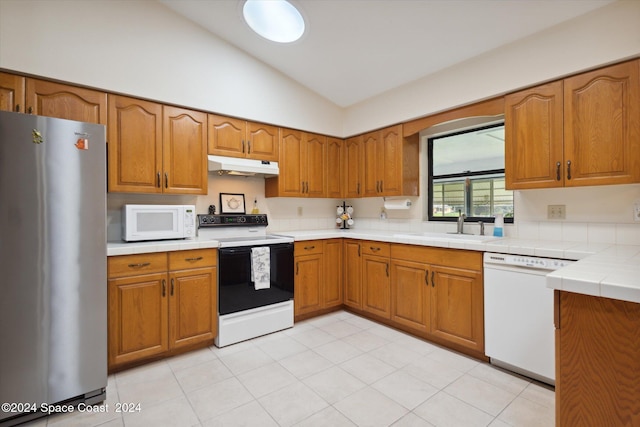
(53, 307)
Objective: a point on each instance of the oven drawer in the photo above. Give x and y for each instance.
(308, 247)
(133, 265)
(376, 248)
(196, 258)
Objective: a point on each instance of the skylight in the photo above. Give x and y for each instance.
(275, 20)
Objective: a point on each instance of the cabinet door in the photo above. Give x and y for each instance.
(226, 136)
(370, 164)
(262, 141)
(315, 165)
(335, 168)
(332, 260)
(410, 292)
(66, 102)
(185, 151)
(11, 93)
(376, 295)
(602, 118)
(390, 161)
(353, 167)
(290, 180)
(134, 133)
(352, 274)
(457, 306)
(137, 317)
(193, 307)
(534, 138)
(308, 280)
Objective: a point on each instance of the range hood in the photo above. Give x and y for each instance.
(242, 167)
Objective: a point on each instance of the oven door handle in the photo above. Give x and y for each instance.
(235, 250)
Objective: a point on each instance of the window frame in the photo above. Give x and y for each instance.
(430, 177)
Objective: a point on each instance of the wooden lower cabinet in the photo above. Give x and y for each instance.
(376, 282)
(318, 277)
(154, 310)
(597, 361)
(410, 294)
(352, 274)
(438, 293)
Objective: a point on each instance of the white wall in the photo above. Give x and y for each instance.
(144, 49)
(603, 36)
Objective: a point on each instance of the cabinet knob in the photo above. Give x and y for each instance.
(164, 288)
(166, 180)
(139, 265)
(17, 108)
(426, 277)
(433, 282)
(171, 287)
(158, 180)
(568, 169)
(558, 171)
(193, 259)
(308, 248)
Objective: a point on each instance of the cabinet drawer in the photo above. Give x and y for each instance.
(458, 258)
(196, 258)
(307, 248)
(133, 265)
(376, 248)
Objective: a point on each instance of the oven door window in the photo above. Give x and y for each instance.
(236, 290)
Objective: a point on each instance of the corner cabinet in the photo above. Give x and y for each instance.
(160, 304)
(353, 167)
(353, 273)
(583, 130)
(303, 166)
(390, 164)
(243, 139)
(155, 149)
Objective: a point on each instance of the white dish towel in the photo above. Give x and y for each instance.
(261, 267)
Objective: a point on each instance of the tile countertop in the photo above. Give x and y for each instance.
(611, 271)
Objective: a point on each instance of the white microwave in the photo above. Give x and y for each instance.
(158, 222)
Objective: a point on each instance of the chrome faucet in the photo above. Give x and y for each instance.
(461, 219)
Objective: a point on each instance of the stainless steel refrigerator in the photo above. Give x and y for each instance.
(53, 284)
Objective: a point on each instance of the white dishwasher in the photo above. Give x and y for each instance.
(518, 314)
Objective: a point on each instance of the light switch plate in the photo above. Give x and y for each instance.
(556, 211)
(636, 211)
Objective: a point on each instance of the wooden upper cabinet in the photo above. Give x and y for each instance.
(335, 168)
(12, 93)
(50, 99)
(602, 126)
(583, 130)
(134, 133)
(262, 141)
(352, 175)
(185, 151)
(314, 165)
(391, 163)
(303, 166)
(533, 138)
(371, 183)
(239, 138)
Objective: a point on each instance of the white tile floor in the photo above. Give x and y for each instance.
(334, 370)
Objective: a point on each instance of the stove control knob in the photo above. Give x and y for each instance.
(242, 219)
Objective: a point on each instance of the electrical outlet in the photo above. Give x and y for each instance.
(636, 211)
(299, 210)
(556, 212)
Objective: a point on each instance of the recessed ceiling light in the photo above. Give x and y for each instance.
(275, 20)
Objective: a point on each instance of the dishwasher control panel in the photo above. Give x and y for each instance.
(526, 261)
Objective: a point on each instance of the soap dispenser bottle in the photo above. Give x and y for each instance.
(255, 209)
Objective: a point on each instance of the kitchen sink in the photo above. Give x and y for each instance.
(471, 238)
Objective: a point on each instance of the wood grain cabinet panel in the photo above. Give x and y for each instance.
(352, 274)
(138, 318)
(335, 168)
(376, 282)
(410, 294)
(135, 154)
(303, 166)
(239, 138)
(583, 130)
(44, 98)
(12, 93)
(193, 308)
(333, 273)
(597, 361)
(390, 163)
(184, 144)
(158, 304)
(353, 167)
(308, 278)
